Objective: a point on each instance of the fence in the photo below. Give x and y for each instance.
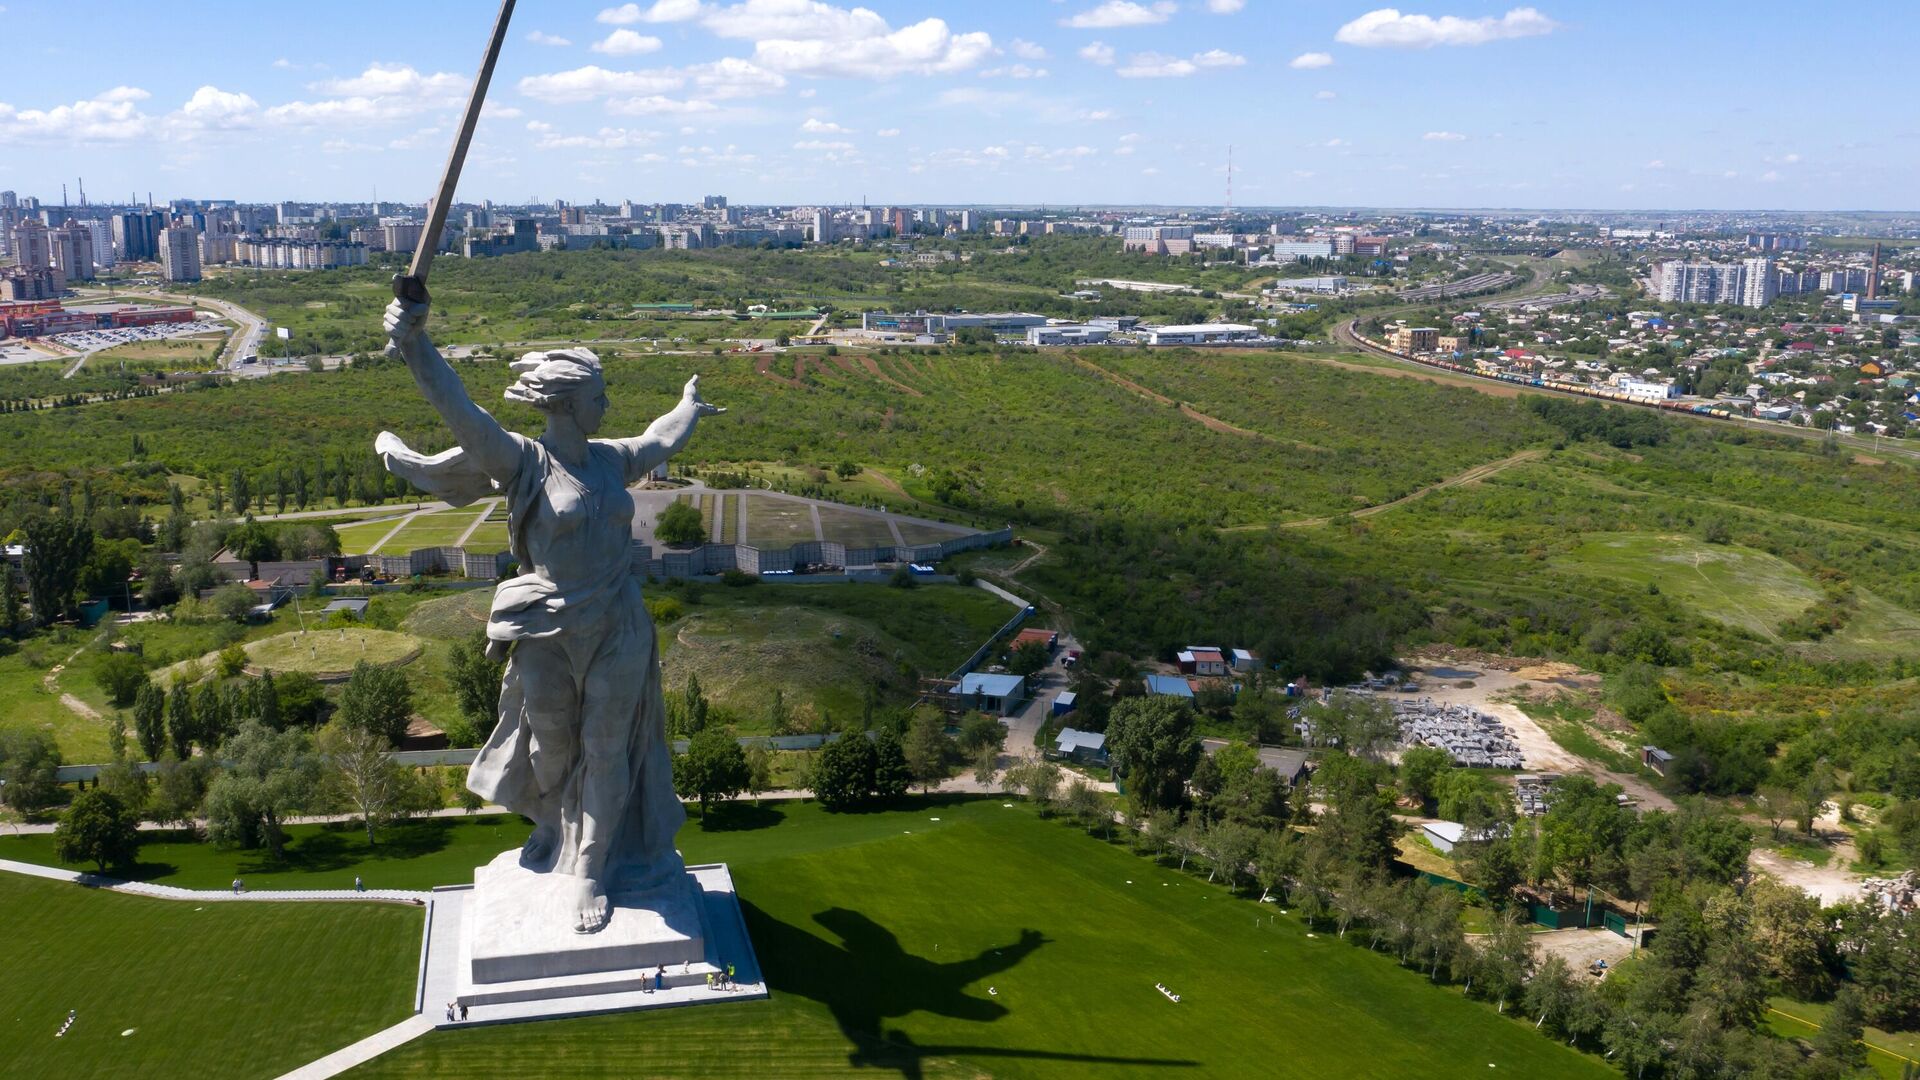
(979, 654)
(703, 561)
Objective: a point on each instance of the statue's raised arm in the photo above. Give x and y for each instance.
(487, 445)
(667, 435)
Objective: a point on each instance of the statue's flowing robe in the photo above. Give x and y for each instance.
(588, 601)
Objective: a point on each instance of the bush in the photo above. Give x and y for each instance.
(28, 761)
(233, 660)
(738, 578)
(680, 524)
(233, 602)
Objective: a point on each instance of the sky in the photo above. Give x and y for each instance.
(1707, 104)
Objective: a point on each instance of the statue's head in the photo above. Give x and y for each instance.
(562, 382)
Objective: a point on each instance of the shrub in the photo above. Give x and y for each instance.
(120, 675)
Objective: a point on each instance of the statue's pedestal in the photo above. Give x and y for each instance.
(506, 948)
(520, 927)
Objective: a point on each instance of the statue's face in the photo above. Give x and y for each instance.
(590, 408)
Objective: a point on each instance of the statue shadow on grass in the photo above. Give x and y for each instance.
(868, 979)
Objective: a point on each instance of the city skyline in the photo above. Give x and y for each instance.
(1063, 103)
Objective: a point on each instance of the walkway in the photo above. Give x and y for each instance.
(486, 511)
(169, 892)
(363, 1051)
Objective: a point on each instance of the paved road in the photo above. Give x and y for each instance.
(1042, 687)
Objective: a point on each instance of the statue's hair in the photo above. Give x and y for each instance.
(548, 377)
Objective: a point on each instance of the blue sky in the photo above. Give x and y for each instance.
(1556, 103)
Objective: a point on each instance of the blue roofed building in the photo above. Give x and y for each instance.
(1000, 695)
(1169, 686)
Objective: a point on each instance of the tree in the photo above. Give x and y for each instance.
(714, 767)
(1838, 1040)
(1085, 806)
(693, 707)
(892, 771)
(266, 702)
(759, 771)
(271, 775)
(98, 828)
(986, 767)
(1582, 832)
(1027, 658)
(120, 675)
(1358, 828)
(9, 600)
(1504, 960)
(981, 732)
(179, 788)
(377, 699)
(476, 682)
(679, 524)
(29, 767)
(181, 728)
(1229, 848)
(303, 701)
(57, 547)
(1273, 861)
(254, 541)
(235, 602)
(1152, 744)
(927, 749)
(843, 772)
(361, 776)
(1039, 780)
(1420, 770)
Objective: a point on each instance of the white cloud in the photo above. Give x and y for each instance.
(994, 151)
(1444, 136)
(1770, 176)
(1098, 52)
(1225, 7)
(1309, 61)
(1121, 13)
(731, 77)
(819, 146)
(1093, 115)
(1656, 163)
(626, 43)
(888, 133)
(863, 46)
(112, 116)
(398, 81)
(592, 81)
(662, 11)
(824, 127)
(1389, 28)
(656, 105)
(1027, 50)
(607, 138)
(1152, 65)
(1324, 95)
(541, 37)
(212, 107)
(1014, 71)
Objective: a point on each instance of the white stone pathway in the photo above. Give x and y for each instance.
(170, 892)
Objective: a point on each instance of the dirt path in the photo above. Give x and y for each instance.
(1473, 475)
(874, 368)
(1832, 883)
(764, 365)
(1211, 423)
(81, 708)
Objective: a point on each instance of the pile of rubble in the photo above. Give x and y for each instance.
(1471, 736)
(1896, 894)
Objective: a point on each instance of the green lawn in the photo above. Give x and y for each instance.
(971, 939)
(855, 529)
(1736, 585)
(338, 649)
(1887, 1052)
(360, 539)
(173, 989)
(778, 523)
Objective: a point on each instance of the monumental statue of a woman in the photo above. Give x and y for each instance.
(580, 747)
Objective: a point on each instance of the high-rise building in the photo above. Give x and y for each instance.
(33, 250)
(1758, 284)
(180, 253)
(136, 235)
(71, 248)
(823, 226)
(714, 202)
(102, 233)
(402, 235)
(1873, 274)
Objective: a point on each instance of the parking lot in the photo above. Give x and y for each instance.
(96, 340)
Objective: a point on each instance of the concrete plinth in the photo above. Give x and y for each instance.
(554, 973)
(520, 927)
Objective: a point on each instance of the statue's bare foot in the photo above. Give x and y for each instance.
(592, 910)
(539, 847)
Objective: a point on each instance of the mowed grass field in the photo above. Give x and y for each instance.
(167, 988)
(1739, 586)
(821, 645)
(970, 939)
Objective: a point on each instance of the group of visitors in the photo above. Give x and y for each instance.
(456, 1010)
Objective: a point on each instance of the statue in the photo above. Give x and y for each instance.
(581, 746)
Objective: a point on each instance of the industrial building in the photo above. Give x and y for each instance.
(1199, 334)
(1067, 334)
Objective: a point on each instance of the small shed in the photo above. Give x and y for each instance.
(1086, 747)
(1169, 686)
(1447, 835)
(1063, 704)
(997, 694)
(355, 606)
(1655, 758)
(1244, 661)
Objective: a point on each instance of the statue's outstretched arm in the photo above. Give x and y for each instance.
(492, 447)
(668, 434)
